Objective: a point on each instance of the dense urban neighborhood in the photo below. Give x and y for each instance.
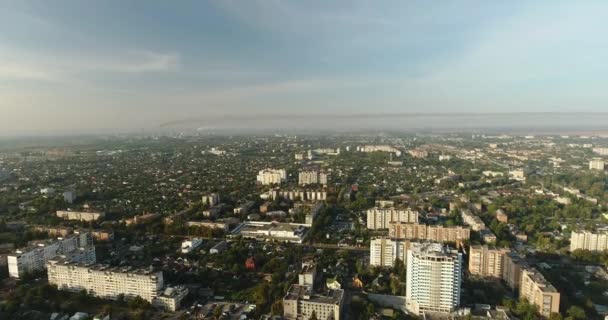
(339, 226)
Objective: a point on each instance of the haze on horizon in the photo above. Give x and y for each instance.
(110, 65)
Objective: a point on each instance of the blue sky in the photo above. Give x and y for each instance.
(113, 64)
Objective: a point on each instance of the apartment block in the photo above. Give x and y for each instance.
(306, 177)
(539, 292)
(76, 247)
(110, 282)
(412, 231)
(271, 176)
(80, 216)
(513, 265)
(487, 261)
(380, 218)
(588, 240)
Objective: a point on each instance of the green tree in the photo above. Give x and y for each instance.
(576, 313)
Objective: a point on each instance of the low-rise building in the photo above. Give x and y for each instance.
(501, 216)
(261, 230)
(300, 303)
(80, 215)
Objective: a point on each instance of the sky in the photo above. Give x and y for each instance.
(82, 65)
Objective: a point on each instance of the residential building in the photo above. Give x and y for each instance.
(210, 199)
(472, 220)
(209, 224)
(75, 247)
(518, 174)
(300, 302)
(379, 148)
(501, 216)
(111, 282)
(419, 153)
(303, 195)
(596, 164)
(601, 151)
(434, 275)
(513, 264)
(312, 176)
(271, 176)
(80, 216)
(588, 240)
(380, 218)
(411, 231)
(102, 235)
(539, 292)
(487, 261)
(384, 251)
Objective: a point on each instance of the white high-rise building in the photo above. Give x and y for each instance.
(76, 247)
(384, 251)
(271, 176)
(434, 275)
(587, 240)
(380, 218)
(597, 164)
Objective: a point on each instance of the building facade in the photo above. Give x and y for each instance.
(539, 292)
(588, 240)
(109, 283)
(380, 218)
(76, 247)
(597, 164)
(306, 177)
(384, 251)
(487, 261)
(412, 231)
(434, 275)
(271, 176)
(80, 216)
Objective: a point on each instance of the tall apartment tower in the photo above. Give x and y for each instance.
(434, 275)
